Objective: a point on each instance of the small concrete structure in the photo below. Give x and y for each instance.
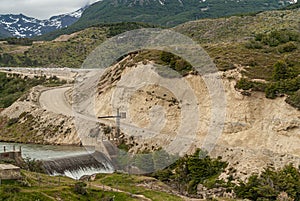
(8, 172)
(15, 155)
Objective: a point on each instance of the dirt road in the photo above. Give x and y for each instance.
(54, 100)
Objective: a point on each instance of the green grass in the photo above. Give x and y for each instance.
(130, 183)
(43, 187)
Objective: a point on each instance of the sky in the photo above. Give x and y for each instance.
(41, 9)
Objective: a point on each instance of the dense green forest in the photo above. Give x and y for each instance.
(171, 13)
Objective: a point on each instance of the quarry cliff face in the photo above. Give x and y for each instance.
(256, 131)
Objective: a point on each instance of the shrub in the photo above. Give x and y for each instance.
(80, 188)
(271, 91)
(294, 100)
(13, 87)
(192, 170)
(12, 121)
(33, 165)
(175, 62)
(244, 84)
(282, 71)
(277, 37)
(11, 189)
(270, 184)
(287, 47)
(166, 57)
(19, 41)
(253, 45)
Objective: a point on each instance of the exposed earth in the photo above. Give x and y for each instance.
(257, 131)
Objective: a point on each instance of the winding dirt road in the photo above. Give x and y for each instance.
(54, 100)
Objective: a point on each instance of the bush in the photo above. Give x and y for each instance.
(12, 121)
(271, 91)
(282, 71)
(80, 188)
(253, 45)
(192, 170)
(288, 86)
(13, 87)
(33, 165)
(285, 81)
(11, 189)
(175, 62)
(287, 47)
(244, 84)
(277, 37)
(19, 41)
(270, 184)
(294, 100)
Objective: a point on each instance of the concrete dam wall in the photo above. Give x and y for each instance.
(78, 166)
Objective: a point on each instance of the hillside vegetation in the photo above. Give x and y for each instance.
(266, 46)
(62, 53)
(168, 13)
(214, 34)
(37, 186)
(255, 42)
(13, 86)
(191, 175)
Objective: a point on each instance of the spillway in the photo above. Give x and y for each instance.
(78, 166)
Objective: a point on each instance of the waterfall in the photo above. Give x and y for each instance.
(78, 166)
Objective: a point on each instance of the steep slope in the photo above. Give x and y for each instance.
(257, 131)
(4, 33)
(170, 12)
(24, 26)
(233, 32)
(240, 28)
(66, 51)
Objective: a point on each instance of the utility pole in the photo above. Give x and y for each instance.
(118, 117)
(118, 124)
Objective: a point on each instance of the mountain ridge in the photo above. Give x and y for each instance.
(171, 12)
(166, 13)
(20, 25)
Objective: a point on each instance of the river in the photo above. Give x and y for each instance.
(46, 152)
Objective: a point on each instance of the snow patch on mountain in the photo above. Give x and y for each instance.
(24, 26)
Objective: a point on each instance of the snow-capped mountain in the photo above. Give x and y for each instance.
(24, 26)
